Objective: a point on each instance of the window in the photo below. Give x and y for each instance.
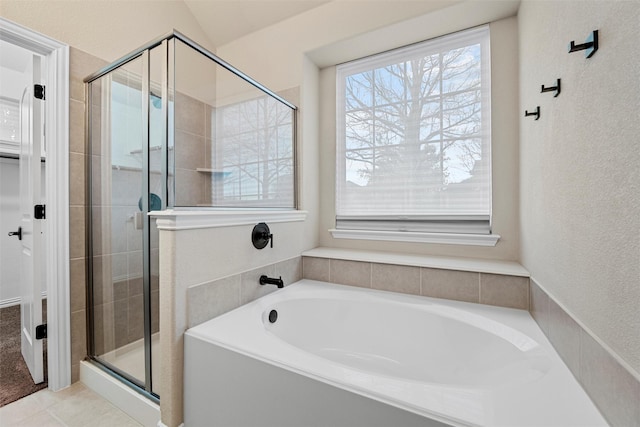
(254, 150)
(413, 138)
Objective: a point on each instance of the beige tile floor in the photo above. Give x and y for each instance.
(75, 406)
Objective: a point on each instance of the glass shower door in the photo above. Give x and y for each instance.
(120, 288)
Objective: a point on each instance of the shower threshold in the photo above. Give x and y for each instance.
(134, 404)
(130, 359)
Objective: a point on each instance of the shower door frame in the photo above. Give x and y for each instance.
(145, 388)
(168, 73)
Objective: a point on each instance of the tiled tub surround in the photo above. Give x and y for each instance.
(211, 299)
(611, 386)
(509, 288)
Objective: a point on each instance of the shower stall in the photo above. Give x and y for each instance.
(169, 126)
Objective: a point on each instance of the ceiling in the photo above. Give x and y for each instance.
(226, 20)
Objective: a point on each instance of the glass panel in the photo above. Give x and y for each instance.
(233, 142)
(116, 155)
(157, 200)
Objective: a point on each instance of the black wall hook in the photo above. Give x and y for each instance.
(552, 88)
(533, 113)
(590, 45)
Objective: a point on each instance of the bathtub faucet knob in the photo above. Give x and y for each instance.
(264, 280)
(261, 235)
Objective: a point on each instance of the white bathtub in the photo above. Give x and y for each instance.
(344, 356)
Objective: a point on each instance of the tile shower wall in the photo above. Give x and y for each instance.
(117, 264)
(192, 151)
(492, 289)
(211, 299)
(81, 64)
(614, 390)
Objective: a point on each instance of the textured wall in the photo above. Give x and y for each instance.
(580, 163)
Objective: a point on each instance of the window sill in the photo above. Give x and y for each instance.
(401, 236)
(171, 219)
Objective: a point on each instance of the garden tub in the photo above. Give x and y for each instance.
(320, 354)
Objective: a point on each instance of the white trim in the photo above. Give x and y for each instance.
(138, 407)
(57, 176)
(407, 236)
(476, 265)
(9, 302)
(172, 219)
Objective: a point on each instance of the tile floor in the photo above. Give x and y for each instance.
(75, 406)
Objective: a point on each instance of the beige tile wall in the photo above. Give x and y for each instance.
(81, 65)
(613, 388)
(492, 289)
(192, 150)
(211, 299)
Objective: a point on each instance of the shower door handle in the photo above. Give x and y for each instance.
(17, 233)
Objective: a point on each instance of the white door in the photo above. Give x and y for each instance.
(31, 256)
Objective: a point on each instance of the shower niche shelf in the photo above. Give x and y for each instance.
(215, 172)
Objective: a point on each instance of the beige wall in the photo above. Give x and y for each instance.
(106, 29)
(580, 185)
(293, 52)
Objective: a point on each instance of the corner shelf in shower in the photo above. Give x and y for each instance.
(216, 172)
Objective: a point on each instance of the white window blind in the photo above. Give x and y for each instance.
(413, 138)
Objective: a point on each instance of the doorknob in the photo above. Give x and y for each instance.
(17, 233)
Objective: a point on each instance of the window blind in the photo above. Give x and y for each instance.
(413, 137)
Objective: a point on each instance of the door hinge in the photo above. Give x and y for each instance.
(39, 91)
(39, 211)
(41, 331)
